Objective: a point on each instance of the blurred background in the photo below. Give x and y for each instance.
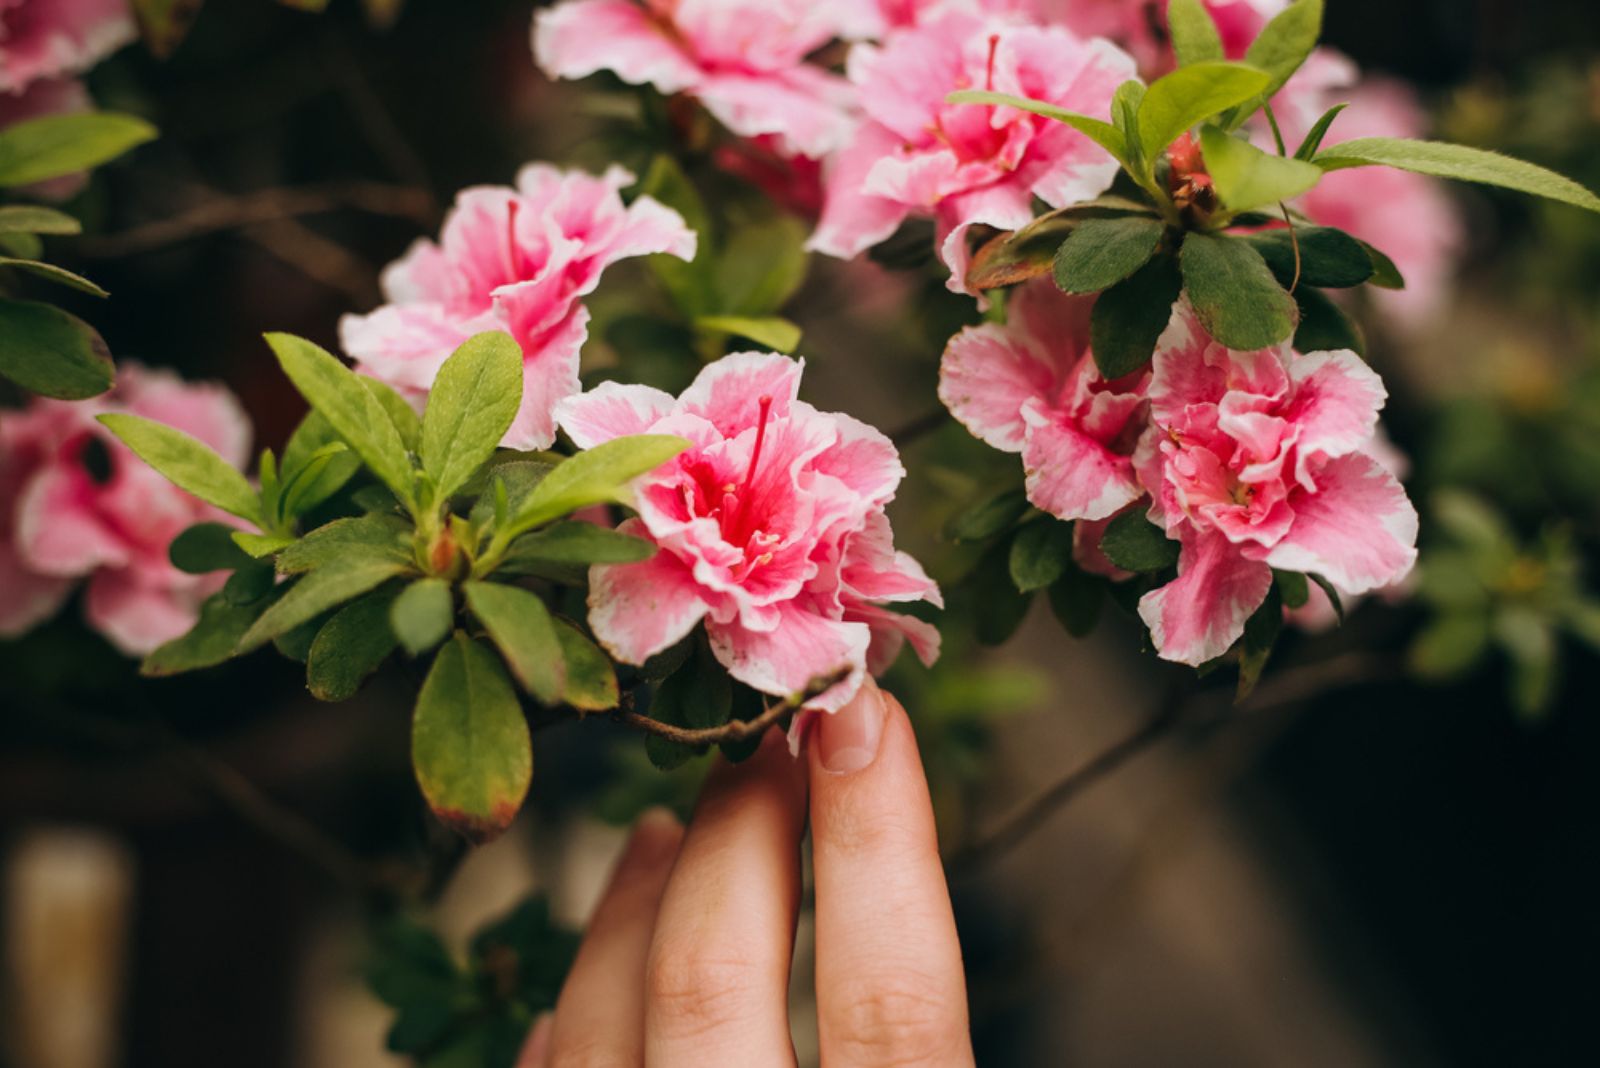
(1386, 856)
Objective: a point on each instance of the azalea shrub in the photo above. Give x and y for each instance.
(566, 467)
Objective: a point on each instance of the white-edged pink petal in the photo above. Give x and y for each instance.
(577, 38)
(728, 393)
(1358, 530)
(611, 410)
(802, 647)
(1198, 615)
(637, 610)
(1069, 474)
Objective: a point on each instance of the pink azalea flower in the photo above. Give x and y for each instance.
(1409, 216)
(1032, 387)
(966, 164)
(50, 38)
(771, 530)
(1255, 461)
(516, 260)
(48, 96)
(78, 505)
(743, 59)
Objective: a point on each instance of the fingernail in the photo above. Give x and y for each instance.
(537, 1047)
(847, 740)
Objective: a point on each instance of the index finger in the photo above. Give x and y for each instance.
(890, 986)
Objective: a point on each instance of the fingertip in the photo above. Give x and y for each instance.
(847, 741)
(536, 1050)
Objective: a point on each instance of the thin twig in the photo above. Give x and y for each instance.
(734, 730)
(263, 206)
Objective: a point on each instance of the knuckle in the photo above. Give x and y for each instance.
(692, 991)
(894, 1021)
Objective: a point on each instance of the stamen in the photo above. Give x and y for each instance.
(988, 77)
(755, 460)
(512, 266)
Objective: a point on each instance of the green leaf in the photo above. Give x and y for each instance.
(295, 643)
(983, 521)
(1440, 160)
(600, 475)
(1530, 641)
(38, 149)
(1332, 594)
(250, 583)
(366, 537)
(1125, 103)
(354, 412)
(696, 696)
(1188, 95)
(1282, 47)
(1029, 251)
(51, 273)
(1319, 130)
(212, 640)
(998, 607)
(470, 407)
(1328, 257)
(577, 542)
(1293, 587)
(1129, 318)
(259, 545)
(315, 593)
(32, 219)
(206, 547)
(407, 423)
(316, 465)
(1449, 646)
(51, 353)
(1099, 253)
(165, 22)
(519, 624)
(1099, 131)
(1040, 553)
(1385, 274)
(1261, 632)
(1247, 177)
(1075, 598)
(1324, 326)
(27, 246)
(1234, 295)
(591, 680)
(777, 334)
(690, 284)
(761, 267)
(187, 463)
(422, 615)
(1194, 34)
(469, 742)
(1134, 543)
(351, 646)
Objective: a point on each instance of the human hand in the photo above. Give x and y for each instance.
(686, 960)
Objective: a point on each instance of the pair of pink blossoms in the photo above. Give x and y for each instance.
(77, 506)
(1250, 460)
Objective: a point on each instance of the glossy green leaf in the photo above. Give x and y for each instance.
(520, 626)
(591, 680)
(212, 640)
(367, 537)
(1246, 177)
(1129, 318)
(1176, 102)
(988, 518)
(250, 583)
(600, 475)
(32, 219)
(351, 646)
(1099, 131)
(52, 353)
(1099, 253)
(1194, 33)
(353, 411)
(315, 593)
(38, 149)
(51, 273)
(1385, 274)
(1029, 251)
(1319, 130)
(1293, 587)
(773, 332)
(1261, 632)
(1327, 257)
(577, 542)
(311, 473)
(1076, 598)
(422, 615)
(186, 462)
(1324, 326)
(1125, 103)
(259, 545)
(470, 407)
(1440, 160)
(1134, 543)
(469, 741)
(206, 547)
(1040, 552)
(1234, 295)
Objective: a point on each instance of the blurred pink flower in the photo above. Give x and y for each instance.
(966, 164)
(48, 96)
(1031, 386)
(743, 59)
(516, 260)
(76, 504)
(50, 38)
(771, 529)
(793, 182)
(1255, 461)
(1407, 216)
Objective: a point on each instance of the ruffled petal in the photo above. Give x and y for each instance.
(1358, 530)
(1200, 614)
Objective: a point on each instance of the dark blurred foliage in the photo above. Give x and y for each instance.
(1457, 834)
